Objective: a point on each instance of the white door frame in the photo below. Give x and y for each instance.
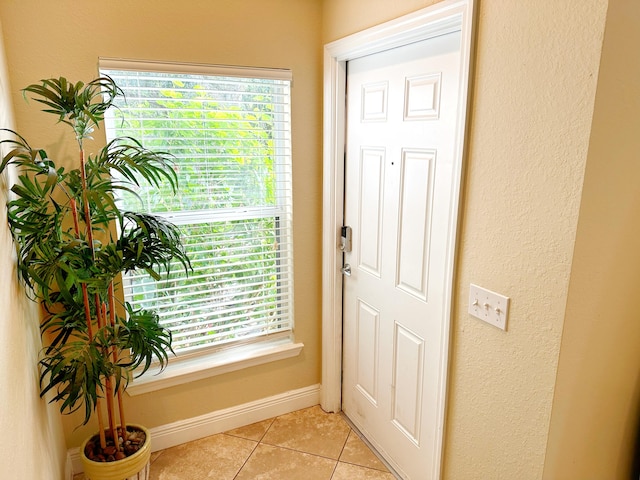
(443, 17)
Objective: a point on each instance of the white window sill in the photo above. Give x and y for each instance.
(190, 369)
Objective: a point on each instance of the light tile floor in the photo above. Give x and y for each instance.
(307, 444)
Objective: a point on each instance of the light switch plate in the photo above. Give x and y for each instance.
(489, 306)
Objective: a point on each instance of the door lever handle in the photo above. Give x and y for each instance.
(346, 270)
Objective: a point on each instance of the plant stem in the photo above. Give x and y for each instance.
(110, 406)
(85, 294)
(103, 438)
(112, 320)
(112, 411)
(87, 314)
(101, 315)
(85, 297)
(87, 210)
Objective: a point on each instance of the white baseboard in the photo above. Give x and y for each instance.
(68, 466)
(172, 434)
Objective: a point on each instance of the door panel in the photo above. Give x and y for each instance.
(370, 197)
(414, 229)
(408, 365)
(401, 111)
(368, 329)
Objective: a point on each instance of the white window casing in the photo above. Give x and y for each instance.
(229, 131)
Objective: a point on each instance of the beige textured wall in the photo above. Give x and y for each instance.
(533, 94)
(534, 89)
(31, 426)
(344, 17)
(66, 37)
(597, 398)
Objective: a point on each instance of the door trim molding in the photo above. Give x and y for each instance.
(444, 17)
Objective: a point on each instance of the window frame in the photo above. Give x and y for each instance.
(218, 359)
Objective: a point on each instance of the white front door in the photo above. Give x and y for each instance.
(400, 201)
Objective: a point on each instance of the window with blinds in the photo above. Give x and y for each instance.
(229, 132)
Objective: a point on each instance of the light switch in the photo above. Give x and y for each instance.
(489, 306)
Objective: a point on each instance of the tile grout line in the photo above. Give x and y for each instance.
(364, 439)
(341, 452)
(254, 448)
(271, 426)
(291, 449)
(262, 442)
(246, 459)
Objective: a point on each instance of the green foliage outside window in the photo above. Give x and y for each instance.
(224, 137)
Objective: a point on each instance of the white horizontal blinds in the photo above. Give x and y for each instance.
(230, 136)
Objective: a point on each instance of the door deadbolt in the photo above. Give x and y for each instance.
(345, 239)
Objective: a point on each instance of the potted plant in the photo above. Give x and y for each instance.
(73, 244)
